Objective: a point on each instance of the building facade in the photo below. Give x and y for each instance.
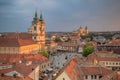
(81, 32)
(37, 29)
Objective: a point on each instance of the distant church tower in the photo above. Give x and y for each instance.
(80, 31)
(86, 30)
(37, 29)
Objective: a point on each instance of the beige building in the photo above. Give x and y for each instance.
(105, 59)
(67, 46)
(19, 45)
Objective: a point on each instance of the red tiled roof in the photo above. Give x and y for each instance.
(10, 58)
(8, 42)
(108, 59)
(95, 70)
(72, 71)
(77, 71)
(112, 76)
(103, 56)
(23, 69)
(12, 78)
(11, 40)
(20, 35)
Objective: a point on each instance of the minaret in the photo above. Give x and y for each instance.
(37, 29)
(86, 30)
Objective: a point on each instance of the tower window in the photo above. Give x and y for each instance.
(35, 28)
(34, 37)
(40, 28)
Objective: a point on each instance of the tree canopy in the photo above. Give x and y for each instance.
(43, 52)
(87, 49)
(57, 39)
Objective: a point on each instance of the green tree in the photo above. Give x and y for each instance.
(87, 49)
(43, 52)
(57, 39)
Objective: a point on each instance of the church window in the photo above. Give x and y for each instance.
(40, 28)
(34, 37)
(35, 28)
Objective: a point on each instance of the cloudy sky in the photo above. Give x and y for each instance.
(60, 15)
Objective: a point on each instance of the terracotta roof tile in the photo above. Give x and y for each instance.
(74, 70)
(10, 40)
(10, 58)
(12, 78)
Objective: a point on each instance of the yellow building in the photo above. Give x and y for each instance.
(23, 43)
(80, 31)
(10, 44)
(37, 29)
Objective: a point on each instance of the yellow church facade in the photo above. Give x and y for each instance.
(81, 32)
(25, 43)
(37, 29)
(20, 50)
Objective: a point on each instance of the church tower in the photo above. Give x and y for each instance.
(80, 31)
(86, 30)
(37, 30)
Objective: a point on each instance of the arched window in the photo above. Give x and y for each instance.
(35, 28)
(35, 38)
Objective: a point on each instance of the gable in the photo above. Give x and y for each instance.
(14, 72)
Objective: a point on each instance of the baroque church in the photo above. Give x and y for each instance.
(25, 43)
(37, 29)
(80, 31)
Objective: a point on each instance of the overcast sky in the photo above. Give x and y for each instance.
(60, 15)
